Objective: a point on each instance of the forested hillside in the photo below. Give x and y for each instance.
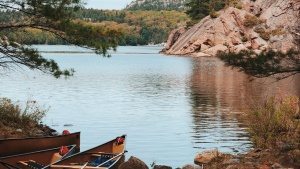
(140, 27)
(157, 5)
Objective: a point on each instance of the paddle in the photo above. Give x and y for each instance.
(112, 158)
(85, 165)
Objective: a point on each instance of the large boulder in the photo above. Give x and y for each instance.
(133, 163)
(206, 157)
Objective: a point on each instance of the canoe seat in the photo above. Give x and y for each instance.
(104, 155)
(105, 161)
(97, 162)
(32, 164)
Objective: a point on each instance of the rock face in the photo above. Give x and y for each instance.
(269, 24)
(133, 163)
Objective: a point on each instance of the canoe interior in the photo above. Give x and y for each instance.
(90, 155)
(10, 147)
(43, 157)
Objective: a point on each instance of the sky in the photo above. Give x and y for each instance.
(107, 4)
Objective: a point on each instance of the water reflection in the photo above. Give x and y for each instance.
(170, 107)
(218, 95)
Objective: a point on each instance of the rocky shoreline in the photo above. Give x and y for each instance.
(212, 159)
(14, 130)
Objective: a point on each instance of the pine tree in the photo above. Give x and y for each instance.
(55, 17)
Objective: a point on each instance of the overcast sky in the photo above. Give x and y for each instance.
(107, 4)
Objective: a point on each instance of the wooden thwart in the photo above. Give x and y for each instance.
(32, 164)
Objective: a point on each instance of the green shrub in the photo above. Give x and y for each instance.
(274, 124)
(11, 113)
(239, 6)
(244, 39)
(213, 14)
(211, 43)
(191, 23)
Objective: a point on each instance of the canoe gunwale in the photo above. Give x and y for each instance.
(13, 146)
(40, 151)
(89, 151)
(27, 138)
(71, 149)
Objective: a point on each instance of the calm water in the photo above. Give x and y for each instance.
(170, 107)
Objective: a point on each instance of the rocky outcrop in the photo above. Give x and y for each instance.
(174, 36)
(259, 25)
(133, 163)
(254, 159)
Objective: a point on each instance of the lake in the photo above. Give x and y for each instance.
(170, 107)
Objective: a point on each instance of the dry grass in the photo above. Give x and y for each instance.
(274, 124)
(12, 117)
(251, 21)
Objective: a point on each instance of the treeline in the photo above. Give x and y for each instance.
(157, 5)
(139, 27)
(25, 35)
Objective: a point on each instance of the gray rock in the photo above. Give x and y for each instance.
(19, 130)
(133, 163)
(55, 133)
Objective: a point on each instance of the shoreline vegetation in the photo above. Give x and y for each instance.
(274, 126)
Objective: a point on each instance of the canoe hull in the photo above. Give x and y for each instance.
(10, 147)
(43, 157)
(111, 148)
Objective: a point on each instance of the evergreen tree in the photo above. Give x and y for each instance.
(198, 9)
(265, 64)
(55, 17)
